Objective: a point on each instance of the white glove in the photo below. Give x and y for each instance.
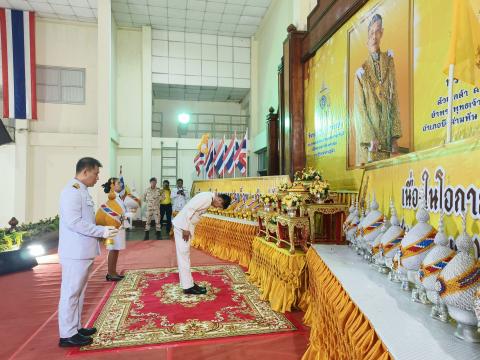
(110, 232)
(127, 221)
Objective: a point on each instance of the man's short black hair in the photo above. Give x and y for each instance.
(87, 163)
(374, 19)
(180, 180)
(166, 181)
(226, 200)
(153, 179)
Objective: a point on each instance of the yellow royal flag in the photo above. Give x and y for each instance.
(464, 50)
(203, 146)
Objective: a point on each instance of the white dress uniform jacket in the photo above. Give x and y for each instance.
(186, 219)
(78, 245)
(78, 234)
(190, 215)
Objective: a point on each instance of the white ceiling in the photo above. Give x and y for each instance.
(225, 17)
(222, 17)
(198, 93)
(76, 10)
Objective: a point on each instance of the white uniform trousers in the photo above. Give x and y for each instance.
(183, 258)
(72, 293)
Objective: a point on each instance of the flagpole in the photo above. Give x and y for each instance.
(205, 162)
(451, 71)
(234, 150)
(246, 155)
(223, 162)
(214, 158)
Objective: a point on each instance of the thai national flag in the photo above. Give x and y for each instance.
(17, 31)
(199, 161)
(230, 155)
(219, 157)
(122, 184)
(209, 165)
(241, 155)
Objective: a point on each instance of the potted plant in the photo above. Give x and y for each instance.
(319, 189)
(307, 176)
(268, 201)
(291, 203)
(283, 188)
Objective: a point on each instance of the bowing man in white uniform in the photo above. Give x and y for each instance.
(78, 246)
(183, 230)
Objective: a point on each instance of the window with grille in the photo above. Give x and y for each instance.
(60, 85)
(157, 124)
(262, 161)
(217, 125)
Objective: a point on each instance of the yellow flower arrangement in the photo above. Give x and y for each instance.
(269, 198)
(291, 201)
(308, 174)
(284, 186)
(319, 187)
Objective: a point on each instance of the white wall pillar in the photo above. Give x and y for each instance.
(114, 168)
(255, 117)
(146, 104)
(105, 91)
(22, 182)
(301, 10)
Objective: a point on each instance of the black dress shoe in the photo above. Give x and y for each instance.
(147, 235)
(195, 290)
(75, 340)
(113, 277)
(201, 288)
(87, 331)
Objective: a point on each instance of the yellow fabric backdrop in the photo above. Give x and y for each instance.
(225, 239)
(281, 276)
(339, 330)
(327, 78)
(459, 163)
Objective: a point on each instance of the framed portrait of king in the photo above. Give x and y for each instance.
(379, 83)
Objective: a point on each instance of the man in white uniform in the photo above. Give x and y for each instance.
(179, 196)
(78, 246)
(183, 229)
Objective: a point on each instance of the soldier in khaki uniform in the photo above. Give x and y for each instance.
(152, 198)
(376, 109)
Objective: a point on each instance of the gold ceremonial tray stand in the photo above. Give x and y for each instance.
(332, 218)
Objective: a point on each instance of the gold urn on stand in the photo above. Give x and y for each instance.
(294, 202)
(282, 191)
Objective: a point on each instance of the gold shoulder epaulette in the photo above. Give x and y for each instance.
(76, 186)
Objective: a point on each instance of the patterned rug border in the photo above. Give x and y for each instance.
(298, 327)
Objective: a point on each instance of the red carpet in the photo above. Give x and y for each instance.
(29, 324)
(148, 307)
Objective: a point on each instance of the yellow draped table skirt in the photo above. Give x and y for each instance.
(339, 330)
(281, 276)
(225, 239)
